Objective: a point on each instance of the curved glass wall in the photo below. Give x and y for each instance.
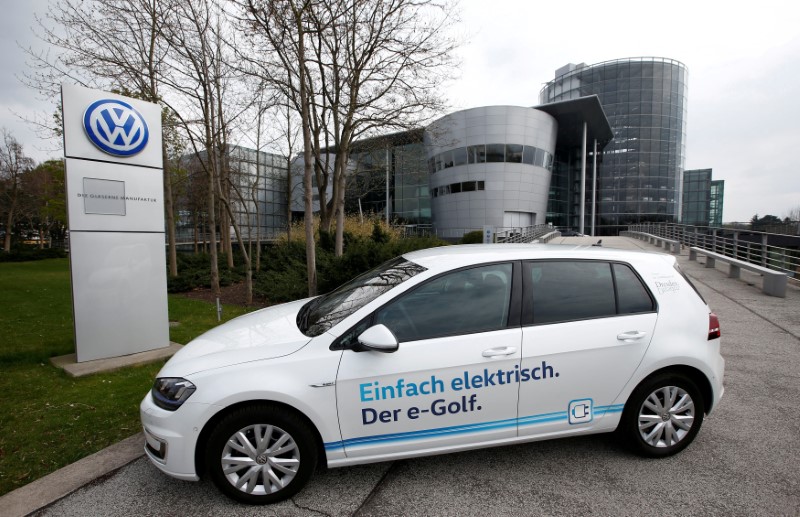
(490, 153)
(640, 176)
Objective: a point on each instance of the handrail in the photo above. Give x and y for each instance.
(522, 234)
(773, 251)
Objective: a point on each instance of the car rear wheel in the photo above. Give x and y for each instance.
(261, 454)
(663, 415)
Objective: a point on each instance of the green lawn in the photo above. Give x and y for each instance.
(48, 419)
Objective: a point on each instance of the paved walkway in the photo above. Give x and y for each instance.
(744, 461)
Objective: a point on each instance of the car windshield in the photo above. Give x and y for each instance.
(323, 312)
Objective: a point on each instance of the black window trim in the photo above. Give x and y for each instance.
(514, 307)
(527, 287)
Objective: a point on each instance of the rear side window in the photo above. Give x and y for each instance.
(632, 296)
(575, 290)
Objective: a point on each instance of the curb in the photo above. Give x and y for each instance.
(56, 485)
(70, 364)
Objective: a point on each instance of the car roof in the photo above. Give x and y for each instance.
(450, 257)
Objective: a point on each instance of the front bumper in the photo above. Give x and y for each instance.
(171, 436)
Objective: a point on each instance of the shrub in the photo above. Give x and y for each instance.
(27, 253)
(283, 276)
(379, 234)
(194, 271)
(475, 237)
(179, 284)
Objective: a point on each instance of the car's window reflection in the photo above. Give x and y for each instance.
(467, 301)
(322, 313)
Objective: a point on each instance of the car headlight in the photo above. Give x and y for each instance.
(171, 392)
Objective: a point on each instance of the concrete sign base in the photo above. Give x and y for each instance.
(121, 305)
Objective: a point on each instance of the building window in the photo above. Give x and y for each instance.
(513, 153)
(456, 188)
(495, 153)
(477, 153)
(460, 156)
(528, 154)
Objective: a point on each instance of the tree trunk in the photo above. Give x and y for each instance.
(212, 223)
(289, 193)
(9, 225)
(169, 211)
(338, 247)
(311, 257)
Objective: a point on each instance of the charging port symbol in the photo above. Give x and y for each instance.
(580, 411)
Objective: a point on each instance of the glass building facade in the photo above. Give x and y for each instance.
(408, 189)
(260, 200)
(696, 197)
(257, 190)
(702, 198)
(640, 174)
(716, 202)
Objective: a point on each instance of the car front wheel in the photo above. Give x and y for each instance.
(261, 454)
(663, 415)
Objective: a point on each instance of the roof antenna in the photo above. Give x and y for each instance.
(599, 243)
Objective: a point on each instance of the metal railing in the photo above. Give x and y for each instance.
(515, 234)
(415, 230)
(525, 234)
(774, 251)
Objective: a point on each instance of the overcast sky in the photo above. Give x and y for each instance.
(743, 61)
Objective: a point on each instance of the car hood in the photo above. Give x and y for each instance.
(264, 334)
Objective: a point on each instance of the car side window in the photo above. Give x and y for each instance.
(632, 296)
(462, 302)
(571, 290)
(574, 290)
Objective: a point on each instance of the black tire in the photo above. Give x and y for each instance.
(666, 428)
(272, 471)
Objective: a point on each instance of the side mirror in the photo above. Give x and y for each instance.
(379, 339)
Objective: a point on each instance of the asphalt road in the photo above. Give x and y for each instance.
(744, 461)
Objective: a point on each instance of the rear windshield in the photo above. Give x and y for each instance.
(323, 312)
(679, 270)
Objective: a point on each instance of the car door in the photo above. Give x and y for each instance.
(586, 327)
(449, 383)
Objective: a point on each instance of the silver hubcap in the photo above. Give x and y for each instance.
(260, 459)
(666, 416)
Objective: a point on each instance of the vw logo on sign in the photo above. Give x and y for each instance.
(115, 127)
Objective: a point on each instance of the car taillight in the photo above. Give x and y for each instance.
(713, 326)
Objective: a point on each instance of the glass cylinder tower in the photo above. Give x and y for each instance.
(640, 176)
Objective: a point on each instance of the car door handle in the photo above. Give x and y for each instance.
(500, 351)
(631, 336)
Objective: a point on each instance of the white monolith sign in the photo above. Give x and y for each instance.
(115, 206)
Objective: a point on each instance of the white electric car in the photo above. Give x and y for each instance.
(441, 350)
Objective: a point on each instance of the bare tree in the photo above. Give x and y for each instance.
(279, 32)
(261, 108)
(385, 62)
(113, 44)
(13, 164)
(370, 65)
(290, 135)
(203, 75)
(195, 74)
